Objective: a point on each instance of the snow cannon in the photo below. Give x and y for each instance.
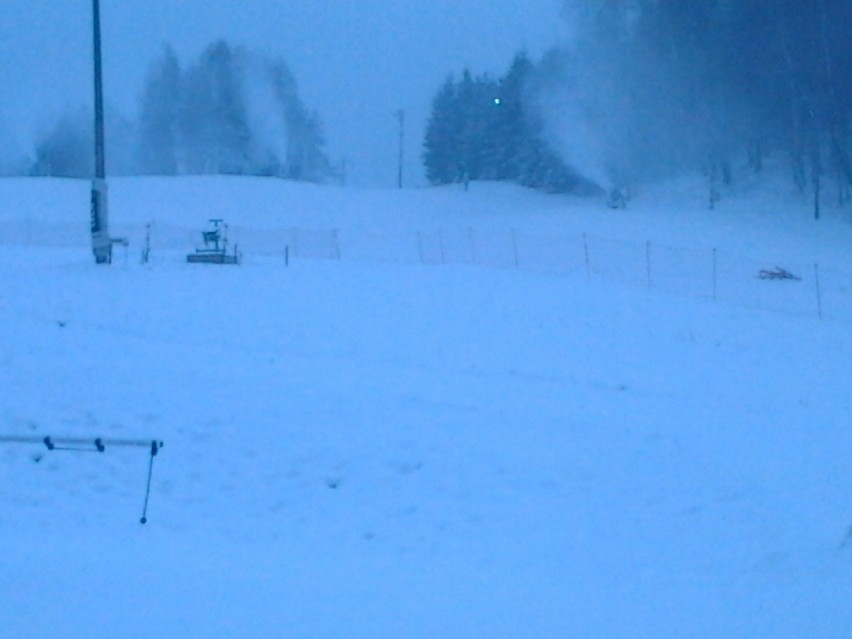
(215, 249)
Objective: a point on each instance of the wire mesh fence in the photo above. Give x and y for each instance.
(619, 261)
(790, 288)
(682, 272)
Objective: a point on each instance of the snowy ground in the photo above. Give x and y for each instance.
(406, 450)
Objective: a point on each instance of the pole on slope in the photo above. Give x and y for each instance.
(648, 262)
(818, 290)
(400, 114)
(715, 275)
(101, 241)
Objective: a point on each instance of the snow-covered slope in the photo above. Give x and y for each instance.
(415, 450)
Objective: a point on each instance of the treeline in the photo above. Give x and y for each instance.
(230, 112)
(668, 86)
(646, 90)
(484, 128)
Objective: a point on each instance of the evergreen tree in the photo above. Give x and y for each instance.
(305, 158)
(158, 144)
(212, 120)
(441, 155)
(513, 154)
(67, 149)
(484, 129)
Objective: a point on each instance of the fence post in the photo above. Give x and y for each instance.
(648, 261)
(818, 291)
(146, 248)
(515, 249)
(586, 254)
(336, 244)
(715, 291)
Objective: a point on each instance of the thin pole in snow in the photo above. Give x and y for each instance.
(336, 245)
(155, 448)
(515, 248)
(715, 285)
(818, 291)
(400, 115)
(648, 261)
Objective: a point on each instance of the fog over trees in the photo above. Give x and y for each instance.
(650, 89)
(645, 90)
(229, 112)
(13, 161)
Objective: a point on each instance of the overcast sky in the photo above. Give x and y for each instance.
(357, 61)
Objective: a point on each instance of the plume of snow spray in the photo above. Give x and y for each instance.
(576, 136)
(266, 115)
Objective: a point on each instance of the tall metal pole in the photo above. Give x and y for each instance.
(400, 114)
(101, 242)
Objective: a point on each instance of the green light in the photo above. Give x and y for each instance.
(498, 101)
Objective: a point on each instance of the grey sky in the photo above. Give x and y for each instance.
(357, 61)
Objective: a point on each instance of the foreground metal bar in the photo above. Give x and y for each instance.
(93, 445)
(96, 442)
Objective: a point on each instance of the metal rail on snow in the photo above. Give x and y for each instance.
(95, 445)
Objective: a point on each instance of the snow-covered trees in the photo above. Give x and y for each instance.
(212, 114)
(229, 112)
(301, 157)
(442, 156)
(485, 129)
(157, 148)
(66, 149)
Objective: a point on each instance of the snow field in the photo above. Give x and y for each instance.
(358, 450)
